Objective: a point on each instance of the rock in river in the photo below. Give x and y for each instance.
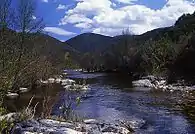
(142, 83)
(24, 90)
(89, 126)
(10, 95)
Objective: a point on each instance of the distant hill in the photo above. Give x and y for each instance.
(45, 45)
(90, 42)
(55, 48)
(125, 51)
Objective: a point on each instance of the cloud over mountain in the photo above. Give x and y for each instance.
(58, 31)
(110, 17)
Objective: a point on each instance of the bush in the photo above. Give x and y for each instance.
(5, 126)
(67, 109)
(2, 111)
(157, 55)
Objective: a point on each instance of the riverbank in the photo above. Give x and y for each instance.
(160, 83)
(28, 109)
(110, 98)
(87, 126)
(154, 82)
(67, 84)
(26, 122)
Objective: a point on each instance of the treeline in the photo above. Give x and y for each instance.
(165, 52)
(27, 55)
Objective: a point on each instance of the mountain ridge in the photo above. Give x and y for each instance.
(89, 42)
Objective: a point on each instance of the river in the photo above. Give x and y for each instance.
(111, 97)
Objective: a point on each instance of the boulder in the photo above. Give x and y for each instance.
(142, 83)
(91, 121)
(28, 133)
(24, 90)
(67, 82)
(54, 123)
(161, 82)
(10, 95)
(85, 87)
(89, 126)
(51, 80)
(110, 129)
(11, 117)
(150, 77)
(76, 87)
(58, 80)
(78, 70)
(68, 87)
(44, 82)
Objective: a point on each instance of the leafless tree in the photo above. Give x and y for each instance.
(26, 26)
(5, 13)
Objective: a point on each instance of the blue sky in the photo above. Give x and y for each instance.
(67, 18)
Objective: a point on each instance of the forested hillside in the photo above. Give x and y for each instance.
(90, 42)
(27, 54)
(164, 51)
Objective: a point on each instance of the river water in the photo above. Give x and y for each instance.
(111, 97)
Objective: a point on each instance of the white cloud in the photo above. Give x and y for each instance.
(126, 1)
(58, 31)
(75, 18)
(91, 7)
(46, 1)
(83, 25)
(60, 7)
(101, 17)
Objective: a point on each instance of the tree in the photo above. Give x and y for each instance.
(19, 57)
(26, 25)
(5, 21)
(5, 56)
(5, 13)
(157, 55)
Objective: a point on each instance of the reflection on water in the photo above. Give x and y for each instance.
(111, 97)
(188, 107)
(46, 96)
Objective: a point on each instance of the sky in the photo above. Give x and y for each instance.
(65, 19)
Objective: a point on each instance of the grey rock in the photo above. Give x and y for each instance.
(142, 83)
(53, 123)
(161, 83)
(91, 121)
(17, 130)
(24, 90)
(10, 95)
(48, 126)
(110, 129)
(11, 117)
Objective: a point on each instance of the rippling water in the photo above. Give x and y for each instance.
(111, 97)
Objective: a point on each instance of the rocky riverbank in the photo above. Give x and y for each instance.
(161, 83)
(67, 84)
(26, 122)
(89, 126)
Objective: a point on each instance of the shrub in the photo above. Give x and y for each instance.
(6, 126)
(157, 55)
(67, 109)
